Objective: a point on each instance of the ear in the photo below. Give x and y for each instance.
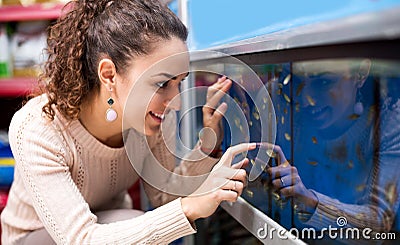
(106, 72)
(363, 72)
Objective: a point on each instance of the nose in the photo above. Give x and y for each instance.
(173, 100)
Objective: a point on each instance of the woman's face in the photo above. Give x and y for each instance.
(326, 92)
(152, 86)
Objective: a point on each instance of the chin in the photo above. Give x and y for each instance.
(151, 131)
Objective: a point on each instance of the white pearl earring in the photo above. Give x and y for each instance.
(358, 106)
(111, 114)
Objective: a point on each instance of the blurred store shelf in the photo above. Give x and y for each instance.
(16, 86)
(32, 12)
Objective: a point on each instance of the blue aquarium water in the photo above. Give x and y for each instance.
(336, 122)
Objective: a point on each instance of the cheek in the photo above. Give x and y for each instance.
(136, 107)
(124, 94)
(333, 97)
(339, 102)
(139, 97)
(155, 103)
(339, 98)
(123, 100)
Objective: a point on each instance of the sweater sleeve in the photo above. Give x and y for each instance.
(168, 176)
(42, 160)
(378, 207)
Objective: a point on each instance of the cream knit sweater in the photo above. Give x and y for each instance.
(63, 175)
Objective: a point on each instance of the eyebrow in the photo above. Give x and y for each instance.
(169, 76)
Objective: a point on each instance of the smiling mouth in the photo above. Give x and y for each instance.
(159, 116)
(317, 112)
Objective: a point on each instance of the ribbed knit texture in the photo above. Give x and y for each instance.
(63, 174)
(377, 207)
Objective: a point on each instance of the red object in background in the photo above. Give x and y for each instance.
(134, 192)
(16, 86)
(31, 12)
(3, 201)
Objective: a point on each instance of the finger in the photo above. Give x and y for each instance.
(208, 139)
(239, 148)
(210, 185)
(208, 109)
(223, 83)
(220, 112)
(232, 151)
(279, 155)
(276, 184)
(241, 164)
(230, 185)
(213, 98)
(265, 145)
(224, 172)
(227, 195)
(219, 80)
(241, 176)
(279, 171)
(285, 181)
(274, 172)
(239, 188)
(288, 191)
(234, 185)
(285, 164)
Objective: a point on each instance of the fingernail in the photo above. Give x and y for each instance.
(225, 81)
(223, 107)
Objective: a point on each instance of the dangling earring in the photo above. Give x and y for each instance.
(358, 106)
(111, 114)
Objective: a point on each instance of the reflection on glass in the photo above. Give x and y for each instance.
(338, 126)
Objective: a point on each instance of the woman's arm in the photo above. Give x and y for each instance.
(42, 159)
(377, 210)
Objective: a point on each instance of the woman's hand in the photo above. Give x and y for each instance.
(286, 181)
(224, 183)
(212, 134)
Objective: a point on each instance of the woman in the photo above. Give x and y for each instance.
(345, 145)
(72, 170)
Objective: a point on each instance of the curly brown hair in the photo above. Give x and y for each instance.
(94, 29)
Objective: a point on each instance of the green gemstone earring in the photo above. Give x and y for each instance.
(111, 114)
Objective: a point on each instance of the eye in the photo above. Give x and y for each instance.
(327, 81)
(163, 84)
